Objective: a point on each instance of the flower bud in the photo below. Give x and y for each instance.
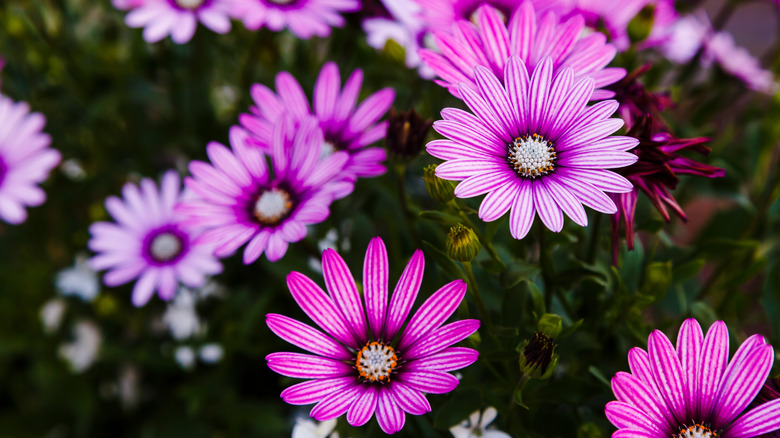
(406, 133)
(537, 358)
(462, 244)
(441, 190)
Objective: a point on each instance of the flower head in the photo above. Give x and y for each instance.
(491, 42)
(25, 160)
(150, 242)
(693, 390)
(406, 133)
(304, 18)
(177, 18)
(738, 62)
(533, 146)
(365, 363)
(346, 127)
(241, 200)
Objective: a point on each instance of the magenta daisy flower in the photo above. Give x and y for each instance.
(177, 18)
(304, 18)
(25, 159)
(358, 366)
(346, 127)
(533, 147)
(241, 201)
(693, 391)
(491, 42)
(150, 242)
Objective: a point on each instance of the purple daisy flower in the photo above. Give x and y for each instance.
(304, 18)
(346, 127)
(177, 18)
(150, 242)
(693, 391)
(241, 201)
(491, 42)
(533, 146)
(25, 159)
(358, 367)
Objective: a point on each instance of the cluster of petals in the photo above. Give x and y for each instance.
(491, 42)
(239, 199)
(347, 323)
(25, 159)
(478, 146)
(177, 18)
(304, 18)
(440, 15)
(150, 242)
(346, 126)
(671, 390)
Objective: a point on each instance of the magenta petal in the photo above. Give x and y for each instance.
(336, 404)
(326, 91)
(634, 433)
(495, 95)
(375, 279)
(522, 215)
(689, 344)
(389, 415)
(363, 407)
(434, 382)
(566, 201)
(404, 294)
(629, 389)
(714, 357)
(306, 365)
(625, 415)
(741, 384)
(319, 307)
(759, 420)
(668, 373)
(301, 335)
(441, 338)
(312, 391)
(498, 202)
(538, 94)
(433, 312)
(449, 359)
(343, 290)
(549, 212)
(410, 400)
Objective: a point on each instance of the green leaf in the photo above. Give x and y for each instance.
(658, 276)
(687, 270)
(439, 217)
(442, 260)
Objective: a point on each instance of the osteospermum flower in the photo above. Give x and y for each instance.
(490, 42)
(150, 242)
(346, 127)
(241, 201)
(177, 18)
(304, 18)
(693, 391)
(533, 147)
(25, 159)
(358, 367)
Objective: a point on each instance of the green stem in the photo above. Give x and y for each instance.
(400, 174)
(477, 295)
(548, 267)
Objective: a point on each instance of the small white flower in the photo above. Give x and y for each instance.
(73, 170)
(185, 356)
(82, 352)
(51, 314)
(476, 426)
(211, 353)
(307, 428)
(180, 316)
(80, 280)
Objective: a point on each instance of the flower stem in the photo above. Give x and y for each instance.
(477, 295)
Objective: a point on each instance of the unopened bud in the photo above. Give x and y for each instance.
(441, 190)
(406, 133)
(537, 358)
(462, 244)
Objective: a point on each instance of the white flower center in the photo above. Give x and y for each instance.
(272, 206)
(696, 431)
(190, 4)
(165, 247)
(376, 361)
(328, 148)
(532, 156)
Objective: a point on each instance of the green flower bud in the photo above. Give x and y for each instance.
(641, 25)
(537, 358)
(550, 324)
(441, 190)
(462, 244)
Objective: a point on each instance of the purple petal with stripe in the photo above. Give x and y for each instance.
(306, 366)
(741, 384)
(668, 373)
(759, 420)
(441, 338)
(433, 382)
(336, 404)
(714, 357)
(433, 312)
(363, 407)
(343, 291)
(409, 399)
(449, 359)
(404, 294)
(625, 415)
(375, 285)
(319, 307)
(389, 415)
(522, 214)
(308, 338)
(498, 202)
(689, 344)
(312, 391)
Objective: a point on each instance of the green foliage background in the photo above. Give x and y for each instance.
(125, 109)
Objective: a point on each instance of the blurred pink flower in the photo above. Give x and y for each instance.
(177, 18)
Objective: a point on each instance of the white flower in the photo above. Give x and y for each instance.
(306, 428)
(82, 352)
(476, 426)
(51, 314)
(80, 280)
(185, 356)
(211, 353)
(180, 316)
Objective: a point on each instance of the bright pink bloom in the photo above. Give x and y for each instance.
(692, 390)
(533, 146)
(304, 18)
(358, 368)
(25, 159)
(150, 242)
(177, 18)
